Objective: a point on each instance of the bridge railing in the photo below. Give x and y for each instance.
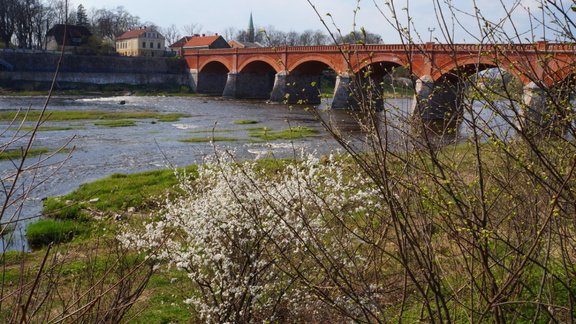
(427, 47)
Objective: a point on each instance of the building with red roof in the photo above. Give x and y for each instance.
(141, 42)
(206, 42)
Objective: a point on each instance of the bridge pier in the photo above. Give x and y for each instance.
(534, 113)
(193, 79)
(295, 88)
(342, 90)
(210, 83)
(544, 111)
(438, 104)
(230, 89)
(248, 85)
(278, 94)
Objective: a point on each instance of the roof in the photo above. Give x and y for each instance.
(74, 33)
(181, 42)
(135, 33)
(202, 41)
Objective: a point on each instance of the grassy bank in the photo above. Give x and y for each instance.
(436, 198)
(85, 223)
(24, 88)
(15, 154)
(58, 116)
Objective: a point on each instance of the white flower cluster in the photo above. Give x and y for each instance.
(239, 232)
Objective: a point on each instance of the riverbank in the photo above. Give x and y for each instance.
(93, 216)
(342, 205)
(94, 90)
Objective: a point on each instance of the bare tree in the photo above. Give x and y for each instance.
(192, 29)
(229, 33)
(171, 33)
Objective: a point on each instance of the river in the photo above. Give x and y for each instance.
(100, 151)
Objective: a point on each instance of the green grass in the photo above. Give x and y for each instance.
(168, 118)
(207, 139)
(116, 123)
(245, 122)
(17, 154)
(46, 231)
(88, 115)
(286, 134)
(115, 193)
(13, 257)
(42, 128)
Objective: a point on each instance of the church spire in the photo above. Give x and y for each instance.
(251, 36)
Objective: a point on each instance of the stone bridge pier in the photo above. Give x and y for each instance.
(207, 82)
(546, 110)
(438, 104)
(250, 85)
(296, 88)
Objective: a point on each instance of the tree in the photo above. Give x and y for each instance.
(171, 34)
(192, 29)
(81, 16)
(360, 37)
(8, 9)
(107, 24)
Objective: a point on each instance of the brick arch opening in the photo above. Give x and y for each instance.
(255, 80)
(212, 78)
(469, 87)
(308, 80)
(485, 78)
(260, 63)
(381, 79)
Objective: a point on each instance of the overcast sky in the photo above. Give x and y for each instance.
(286, 15)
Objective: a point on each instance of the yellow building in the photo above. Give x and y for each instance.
(141, 42)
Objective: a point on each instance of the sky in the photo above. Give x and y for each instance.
(215, 16)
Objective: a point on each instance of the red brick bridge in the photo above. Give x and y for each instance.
(292, 74)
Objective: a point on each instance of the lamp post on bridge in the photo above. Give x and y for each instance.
(431, 30)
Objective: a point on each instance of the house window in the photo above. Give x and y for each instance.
(151, 45)
(158, 45)
(143, 44)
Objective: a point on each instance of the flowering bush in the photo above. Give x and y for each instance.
(248, 238)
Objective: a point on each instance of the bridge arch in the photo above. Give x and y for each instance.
(379, 78)
(308, 78)
(274, 64)
(471, 64)
(298, 64)
(213, 61)
(380, 59)
(253, 80)
(212, 77)
(562, 72)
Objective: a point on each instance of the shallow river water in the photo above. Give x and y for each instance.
(100, 151)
